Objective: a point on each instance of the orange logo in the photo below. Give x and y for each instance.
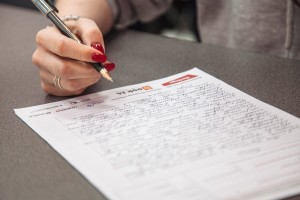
(147, 88)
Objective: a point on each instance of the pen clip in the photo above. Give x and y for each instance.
(51, 4)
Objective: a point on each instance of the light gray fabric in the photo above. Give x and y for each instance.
(130, 11)
(264, 26)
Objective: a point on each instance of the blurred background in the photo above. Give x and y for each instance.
(179, 22)
(20, 3)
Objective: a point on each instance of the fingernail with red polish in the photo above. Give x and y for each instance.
(109, 66)
(98, 46)
(99, 57)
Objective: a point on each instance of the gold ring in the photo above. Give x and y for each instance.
(57, 83)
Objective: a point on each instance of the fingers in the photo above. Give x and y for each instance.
(51, 89)
(59, 56)
(76, 76)
(69, 85)
(62, 67)
(66, 47)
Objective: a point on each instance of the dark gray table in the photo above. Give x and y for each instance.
(31, 169)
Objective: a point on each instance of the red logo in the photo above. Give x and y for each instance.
(181, 79)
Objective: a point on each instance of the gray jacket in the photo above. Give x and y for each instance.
(264, 26)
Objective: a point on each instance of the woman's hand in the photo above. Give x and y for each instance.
(59, 56)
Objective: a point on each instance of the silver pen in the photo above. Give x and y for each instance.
(48, 9)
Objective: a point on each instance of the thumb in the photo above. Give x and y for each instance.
(90, 34)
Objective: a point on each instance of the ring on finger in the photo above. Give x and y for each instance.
(57, 82)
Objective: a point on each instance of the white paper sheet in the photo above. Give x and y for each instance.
(185, 137)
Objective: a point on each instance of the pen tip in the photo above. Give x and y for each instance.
(106, 75)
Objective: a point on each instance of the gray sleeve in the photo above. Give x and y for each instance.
(127, 12)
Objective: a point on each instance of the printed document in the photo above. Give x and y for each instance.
(189, 136)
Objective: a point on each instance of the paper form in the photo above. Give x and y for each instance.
(185, 137)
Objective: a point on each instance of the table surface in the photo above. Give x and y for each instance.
(31, 169)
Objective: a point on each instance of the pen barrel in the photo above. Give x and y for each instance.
(43, 6)
(98, 67)
(62, 26)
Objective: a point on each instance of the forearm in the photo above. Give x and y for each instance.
(97, 10)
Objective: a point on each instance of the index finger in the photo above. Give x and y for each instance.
(54, 41)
